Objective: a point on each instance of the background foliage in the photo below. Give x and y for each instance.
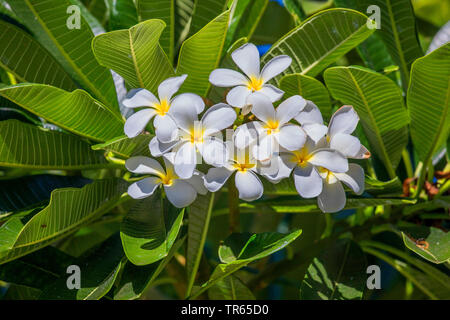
(63, 183)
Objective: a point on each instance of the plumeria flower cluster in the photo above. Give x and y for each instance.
(272, 143)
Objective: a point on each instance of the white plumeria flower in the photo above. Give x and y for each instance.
(342, 124)
(273, 130)
(246, 167)
(180, 192)
(248, 60)
(165, 126)
(197, 138)
(305, 164)
(332, 198)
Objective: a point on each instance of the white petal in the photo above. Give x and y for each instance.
(170, 86)
(310, 114)
(143, 188)
(344, 120)
(283, 170)
(237, 97)
(265, 148)
(197, 181)
(353, 178)
(217, 118)
(333, 160)
(291, 137)
(290, 108)
(332, 198)
(227, 78)
(185, 160)
(246, 58)
(166, 129)
(158, 148)
(262, 108)
(272, 92)
(187, 100)
(275, 66)
(144, 165)
(346, 144)
(363, 153)
(307, 181)
(247, 133)
(249, 186)
(137, 122)
(216, 178)
(180, 193)
(214, 152)
(139, 98)
(315, 131)
(184, 115)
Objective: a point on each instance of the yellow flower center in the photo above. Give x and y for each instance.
(168, 178)
(327, 175)
(255, 83)
(196, 135)
(301, 157)
(272, 126)
(162, 107)
(243, 166)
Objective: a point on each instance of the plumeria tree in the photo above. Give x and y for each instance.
(197, 149)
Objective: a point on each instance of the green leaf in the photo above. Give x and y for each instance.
(135, 54)
(376, 187)
(230, 288)
(436, 12)
(201, 54)
(99, 270)
(17, 47)
(245, 17)
(198, 225)
(68, 210)
(339, 273)
(379, 104)
(74, 111)
(309, 88)
(321, 40)
(398, 31)
(71, 47)
(27, 146)
(164, 10)
(426, 283)
(127, 147)
(428, 102)
(136, 279)
(150, 229)
(256, 247)
(430, 243)
(122, 14)
(295, 8)
(204, 11)
(183, 15)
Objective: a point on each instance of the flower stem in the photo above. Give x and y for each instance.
(233, 205)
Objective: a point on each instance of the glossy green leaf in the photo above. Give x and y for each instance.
(379, 104)
(430, 243)
(398, 31)
(150, 229)
(18, 46)
(135, 54)
(27, 146)
(71, 47)
(127, 147)
(321, 40)
(309, 88)
(339, 273)
(256, 246)
(99, 269)
(201, 53)
(428, 102)
(204, 11)
(122, 14)
(136, 279)
(164, 10)
(68, 210)
(230, 288)
(74, 111)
